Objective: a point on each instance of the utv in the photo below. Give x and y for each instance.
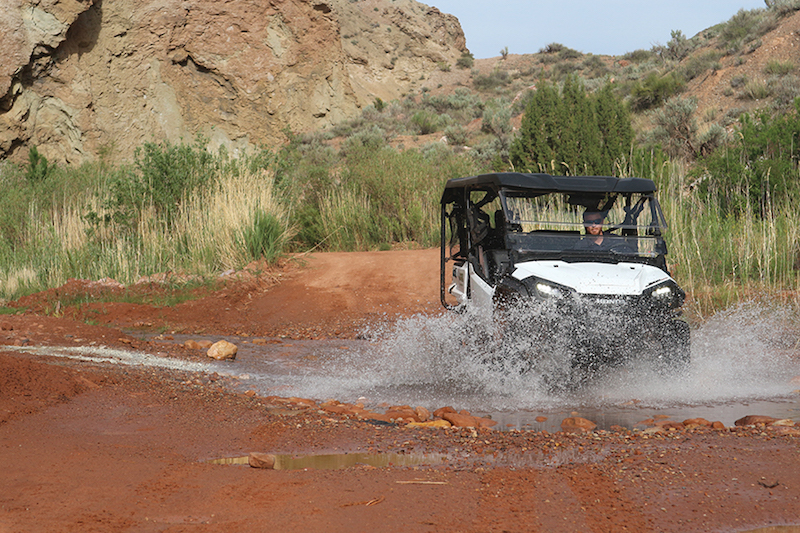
(584, 255)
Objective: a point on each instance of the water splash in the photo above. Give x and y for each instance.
(739, 355)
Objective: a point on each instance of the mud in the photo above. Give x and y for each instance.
(119, 440)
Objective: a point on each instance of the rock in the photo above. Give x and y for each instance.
(192, 345)
(752, 420)
(259, 342)
(222, 350)
(697, 422)
(576, 424)
(261, 460)
(280, 73)
(422, 413)
(718, 425)
(439, 412)
(786, 422)
(430, 424)
(404, 412)
(541, 419)
(205, 345)
(468, 421)
(459, 420)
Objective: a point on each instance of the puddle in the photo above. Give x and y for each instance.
(339, 461)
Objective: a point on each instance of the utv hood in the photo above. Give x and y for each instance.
(624, 279)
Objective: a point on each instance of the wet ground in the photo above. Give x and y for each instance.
(740, 365)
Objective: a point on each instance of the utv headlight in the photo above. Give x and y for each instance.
(667, 294)
(547, 290)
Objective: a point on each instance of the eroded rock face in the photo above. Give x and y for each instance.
(82, 76)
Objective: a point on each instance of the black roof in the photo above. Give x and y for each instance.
(548, 183)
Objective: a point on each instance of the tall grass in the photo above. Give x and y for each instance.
(722, 258)
(226, 224)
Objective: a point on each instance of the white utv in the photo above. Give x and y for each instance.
(585, 256)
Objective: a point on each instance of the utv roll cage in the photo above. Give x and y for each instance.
(465, 222)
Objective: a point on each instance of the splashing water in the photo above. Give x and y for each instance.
(743, 355)
(739, 355)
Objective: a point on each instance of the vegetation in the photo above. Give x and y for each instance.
(727, 179)
(572, 132)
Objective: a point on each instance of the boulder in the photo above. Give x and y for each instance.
(222, 350)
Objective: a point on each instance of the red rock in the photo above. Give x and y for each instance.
(261, 460)
(485, 422)
(439, 412)
(718, 425)
(205, 345)
(191, 345)
(577, 424)
(423, 414)
(406, 414)
(752, 420)
(697, 422)
(541, 419)
(461, 421)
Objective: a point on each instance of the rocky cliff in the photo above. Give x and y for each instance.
(84, 77)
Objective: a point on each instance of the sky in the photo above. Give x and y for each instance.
(601, 27)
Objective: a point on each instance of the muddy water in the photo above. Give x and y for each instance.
(744, 361)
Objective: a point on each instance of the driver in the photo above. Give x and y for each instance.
(595, 238)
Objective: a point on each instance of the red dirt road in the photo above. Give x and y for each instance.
(86, 448)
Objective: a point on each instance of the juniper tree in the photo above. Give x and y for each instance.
(572, 131)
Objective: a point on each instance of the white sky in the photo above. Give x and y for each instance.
(611, 27)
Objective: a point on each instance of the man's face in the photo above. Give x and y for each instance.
(593, 223)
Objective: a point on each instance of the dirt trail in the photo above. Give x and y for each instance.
(87, 448)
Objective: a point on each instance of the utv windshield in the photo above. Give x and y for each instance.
(625, 226)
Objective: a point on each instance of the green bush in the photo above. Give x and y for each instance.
(779, 68)
(38, 167)
(425, 122)
(496, 78)
(654, 90)
(466, 60)
(758, 166)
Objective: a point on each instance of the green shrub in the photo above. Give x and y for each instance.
(466, 60)
(264, 237)
(699, 64)
(779, 68)
(638, 56)
(755, 90)
(425, 122)
(654, 90)
(38, 167)
(675, 127)
(496, 78)
(744, 27)
(164, 173)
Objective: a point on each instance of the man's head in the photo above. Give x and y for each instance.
(593, 222)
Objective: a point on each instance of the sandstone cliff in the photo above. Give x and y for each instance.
(81, 77)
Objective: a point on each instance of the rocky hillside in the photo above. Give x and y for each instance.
(83, 77)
